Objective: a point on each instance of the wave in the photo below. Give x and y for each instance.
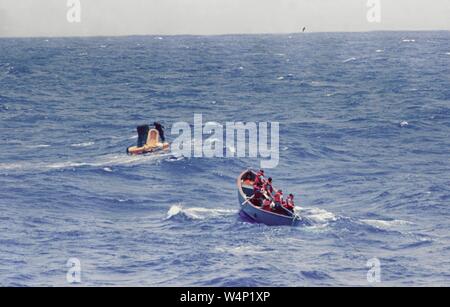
(386, 225)
(320, 218)
(288, 76)
(312, 216)
(403, 124)
(316, 216)
(349, 60)
(316, 275)
(174, 158)
(196, 213)
(38, 146)
(101, 161)
(241, 250)
(5, 69)
(85, 144)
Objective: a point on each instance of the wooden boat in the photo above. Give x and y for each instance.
(255, 213)
(148, 142)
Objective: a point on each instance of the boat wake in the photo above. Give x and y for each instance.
(109, 160)
(316, 216)
(178, 212)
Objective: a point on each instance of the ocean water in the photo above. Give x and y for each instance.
(364, 145)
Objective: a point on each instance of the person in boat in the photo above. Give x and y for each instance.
(257, 196)
(278, 200)
(259, 180)
(267, 188)
(266, 204)
(289, 204)
(160, 129)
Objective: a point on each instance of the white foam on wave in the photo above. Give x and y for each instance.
(61, 165)
(38, 146)
(383, 224)
(175, 158)
(197, 213)
(10, 166)
(101, 161)
(316, 215)
(288, 76)
(121, 159)
(242, 250)
(409, 40)
(85, 144)
(349, 60)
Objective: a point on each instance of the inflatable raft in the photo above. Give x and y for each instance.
(148, 142)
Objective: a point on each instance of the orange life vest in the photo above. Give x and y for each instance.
(278, 198)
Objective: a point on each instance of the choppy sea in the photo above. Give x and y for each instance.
(364, 145)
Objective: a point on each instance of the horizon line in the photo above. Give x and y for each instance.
(222, 34)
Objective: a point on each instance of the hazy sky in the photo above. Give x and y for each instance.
(128, 17)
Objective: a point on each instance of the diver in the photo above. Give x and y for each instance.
(160, 129)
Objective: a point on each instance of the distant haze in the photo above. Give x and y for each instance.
(205, 17)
